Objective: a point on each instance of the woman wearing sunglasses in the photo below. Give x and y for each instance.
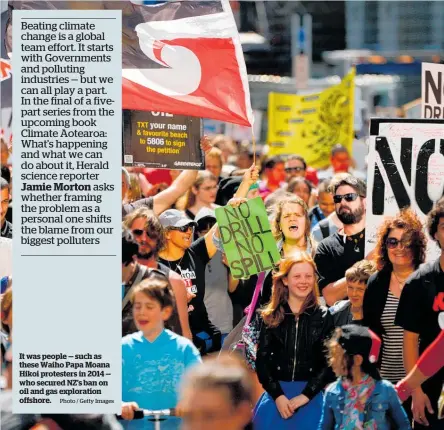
(399, 251)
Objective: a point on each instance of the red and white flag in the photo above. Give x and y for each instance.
(181, 57)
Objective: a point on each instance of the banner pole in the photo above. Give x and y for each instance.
(254, 146)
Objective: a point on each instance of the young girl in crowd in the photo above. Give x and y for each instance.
(290, 361)
(359, 399)
(201, 195)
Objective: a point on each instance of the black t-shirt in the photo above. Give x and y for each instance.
(191, 267)
(334, 256)
(421, 306)
(129, 207)
(421, 311)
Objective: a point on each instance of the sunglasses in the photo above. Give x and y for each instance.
(350, 197)
(138, 233)
(294, 169)
(183, 229)
(393, 243)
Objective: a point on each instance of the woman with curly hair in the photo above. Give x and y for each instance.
(399, 251)
(291, 363)
(291, 229)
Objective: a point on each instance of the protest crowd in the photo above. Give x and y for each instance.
(331, 331)
(248, 298)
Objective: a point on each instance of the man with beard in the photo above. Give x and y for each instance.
(341, 250)
(149, 235)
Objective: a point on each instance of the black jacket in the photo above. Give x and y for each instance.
(375, 299)
(295, 351)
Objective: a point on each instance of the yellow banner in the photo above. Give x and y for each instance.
(310, 125)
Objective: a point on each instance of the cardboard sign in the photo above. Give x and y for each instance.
(432, 91)
(405, 169)
(310, 125)
(162, 140)
(247, 239)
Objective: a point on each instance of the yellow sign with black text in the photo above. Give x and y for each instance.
(310, 125)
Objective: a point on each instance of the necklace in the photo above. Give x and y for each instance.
(401, 283)
(356, 241)
(177, 265)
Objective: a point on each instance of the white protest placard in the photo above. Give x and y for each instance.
(405, 169)
(432, 91)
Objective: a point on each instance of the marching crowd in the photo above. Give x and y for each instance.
(331, 338)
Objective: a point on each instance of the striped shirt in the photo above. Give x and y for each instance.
(392, 366)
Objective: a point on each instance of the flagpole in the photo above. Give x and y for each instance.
(254, 146)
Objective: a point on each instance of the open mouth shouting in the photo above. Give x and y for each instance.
(142, 323)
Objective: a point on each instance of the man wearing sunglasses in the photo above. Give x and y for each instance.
(341, 250)
(295, 166)
(189, 259)
(148, 233)
(421, 314)
(166, 198)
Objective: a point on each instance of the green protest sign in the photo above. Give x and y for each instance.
(247, 238)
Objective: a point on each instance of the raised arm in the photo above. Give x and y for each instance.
(165, 199)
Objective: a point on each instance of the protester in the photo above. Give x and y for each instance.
(359, 398)
(400, 249)
(291, 230)
(132, 274)
(351, 311)
(420, 314)
(149, 235)
(5, 225)
(245, 158)
(217, 395)
(302, 188)
(202, 194)
(154, 359)
(341, 162)
(189, 259)
(165, 199)
(218, 280)
(338, 252)
(214, 163)
(295, 166)
(325, 205)
(4, 152)
(290, 359)
(273, 172)
(226, 145)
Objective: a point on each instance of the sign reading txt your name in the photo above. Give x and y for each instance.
(162, 140)
(432, 88)
(67, 101)
(247, 238)
(405, 169)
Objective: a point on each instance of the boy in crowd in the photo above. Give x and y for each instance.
(350, 311)
(153, 359)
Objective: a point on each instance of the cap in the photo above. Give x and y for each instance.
(174, 218)
(359, 340)
(204, 213)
